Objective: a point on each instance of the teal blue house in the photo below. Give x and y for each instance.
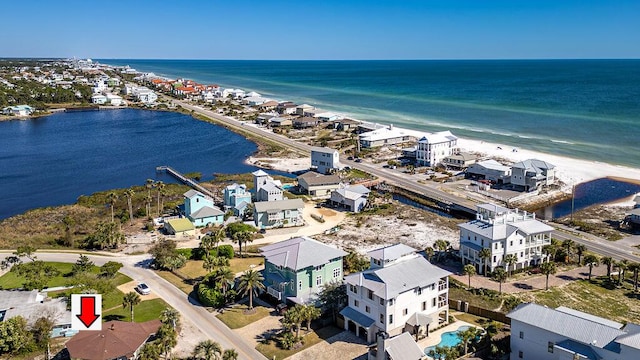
(236, 197)
(296, 269)
(200, 210)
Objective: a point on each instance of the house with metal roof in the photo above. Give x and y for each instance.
(490, 170)
(18, 110)
(180, 227)
(318, 185)
(400, 292)
(460, 160)
(297, 269)
(236, 197)
(351, 197)
(265, 188)
(31, 305)
(570, 334)
(281, 213)
(325, 160)
(199, 208)
(532, 174)
(433, 148)
(504, 232)
(400, 347)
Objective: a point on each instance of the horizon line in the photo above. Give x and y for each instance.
(204, 59)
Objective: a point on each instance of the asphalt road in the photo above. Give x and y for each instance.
(135, 266)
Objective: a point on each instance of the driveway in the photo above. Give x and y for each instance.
(261, 329)
(344, 345)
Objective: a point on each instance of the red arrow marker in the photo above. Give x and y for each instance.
(88, 310)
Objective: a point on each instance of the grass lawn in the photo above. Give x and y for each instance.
(194, 270)
(272, 351)
(234, 318)
(145, 311)
(244, 264)
(12, 281)
(592, 297)
(471, 319)
(475, 300)
(176, 281)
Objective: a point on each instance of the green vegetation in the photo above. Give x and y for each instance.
(13, 280)
(146, 310)
(271, 350)
(236, 316)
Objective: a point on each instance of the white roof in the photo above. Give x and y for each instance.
(288, 204)
(324, 150)
(259, 173)
(403, 347)
(439, 137)
(492, 165)
(390, 133)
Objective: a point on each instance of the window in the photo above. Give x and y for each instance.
(424, 305)
(433, 302)
(482, 242)
(520, 241)
(318, 268)
(370, 295)
(520, 355)
(405, 311)
(550, 346)
(495, 246)
(382, 318)
(390, 301)
(391, 319)
(381, 301)
(318, 280)
(356, 303)
(494, 258)
(521, 254)
(367, 309)
(353, 289)
(511, 243)
(521, 335)
(419, 291)
(337, 272)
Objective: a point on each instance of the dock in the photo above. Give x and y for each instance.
(190, 182)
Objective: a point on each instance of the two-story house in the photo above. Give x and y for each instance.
(265, 188)
(532, 174)
(318, 185)
(504, 232)
(236, 197)
(199, 208)
(433, 148)
(539, 333)
(400, 292)
(325, 160)
(282, 213)
(295, 270)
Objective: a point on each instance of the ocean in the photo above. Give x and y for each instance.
(586, 109)
(53, 160)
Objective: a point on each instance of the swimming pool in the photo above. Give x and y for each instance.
(450, 338)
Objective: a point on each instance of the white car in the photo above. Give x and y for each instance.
(143, 289)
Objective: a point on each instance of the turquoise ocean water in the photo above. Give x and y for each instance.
(587, 109)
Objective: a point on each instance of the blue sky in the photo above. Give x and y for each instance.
(328, 29)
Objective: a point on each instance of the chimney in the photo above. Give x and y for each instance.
(112, 326)
(381, 338)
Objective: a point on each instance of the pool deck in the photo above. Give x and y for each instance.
(435, 337)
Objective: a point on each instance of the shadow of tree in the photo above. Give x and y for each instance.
(113, 317)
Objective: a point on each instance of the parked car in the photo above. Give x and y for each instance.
(281, 308)
(350, 158)
(143, 289)
(358, 160)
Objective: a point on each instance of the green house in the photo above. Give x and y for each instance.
(297, 269)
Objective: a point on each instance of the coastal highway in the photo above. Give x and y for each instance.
(135, 266)
(595, 244)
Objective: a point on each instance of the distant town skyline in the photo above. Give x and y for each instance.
(331, 29)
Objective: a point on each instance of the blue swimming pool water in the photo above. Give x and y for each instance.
(450, 338)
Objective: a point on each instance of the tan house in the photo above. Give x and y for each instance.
(318, 185)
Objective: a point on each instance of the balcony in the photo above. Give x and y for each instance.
(442, 285)
(275, 293)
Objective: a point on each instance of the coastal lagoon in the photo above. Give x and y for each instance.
(53, 160)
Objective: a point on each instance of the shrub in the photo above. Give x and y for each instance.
(187, 253)
(209, 296)
(225, 251)
(288, 340)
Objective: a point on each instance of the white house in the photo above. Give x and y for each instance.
(532, 174)
(353, 198)
(114, 100)
(539, 333)
(265, 188)
(388, 135)
(504, 232)
(98, 99)
(490, 170)
(300, 109)
(147, 97)
(433, 148)
(18, 110)
(328, 116)
(401, 292)
(325, 160)
(280, 213)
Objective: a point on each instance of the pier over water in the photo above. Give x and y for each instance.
(190, 182)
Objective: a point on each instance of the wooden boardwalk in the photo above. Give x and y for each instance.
(185, 180)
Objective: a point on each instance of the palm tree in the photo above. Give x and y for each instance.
(160, 187)
(547, 269)
(150, 351)
(129, 194)
(468, 336)
(580, 250)
(170, 316)
(242, 237)
(591, 260)
(112, 197)
(623, 265)
(484, 254)
(442, 246)
(167, 339)
(429, 252)
(310, 313)
(469, 270)
(294, 318)
(551, 251)
(500, 276)
(207, 350)
(230, 354)
(148, 201)
(223, 278)
(635, 267)
(510, 260)
(250, 282)
(130, 300)
(568, 244)
(214, 262)
(608, 261)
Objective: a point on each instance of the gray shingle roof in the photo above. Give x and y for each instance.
(571, 326)
(205, 212)
(300, 253)
(314, 178)
(403, 347)
(390, 281)
(279, 205)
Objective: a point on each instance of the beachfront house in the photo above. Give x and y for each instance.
(295, 270)
(301, 109)
(460, 160)
(387, 135)
(236, 198)
(400, 292)
(327, 116)
(633, 218)
(181, 227)
(286, 107)
(114, 100)
(532, 174)
(306, 122)
(318, 185)
(504, 232)
(18, 110)
(433, 148)
(540, 332)
(265, 188)
(280, 122)
(98, 99)
(325, 160)
(490, 170)
(351, 197)
(199, 208)
(281, 213)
